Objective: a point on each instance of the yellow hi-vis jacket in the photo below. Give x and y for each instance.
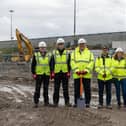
(103, 67)
(82, 61)
(119, 68)
(60, 61)
(42, 66)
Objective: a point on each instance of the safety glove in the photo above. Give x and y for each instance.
(68, 74)
(34, 76)
(52, 75)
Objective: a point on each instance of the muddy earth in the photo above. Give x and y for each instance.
(16, 108)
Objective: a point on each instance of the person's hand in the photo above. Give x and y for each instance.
(68, 74)
(104, 75)
(83, 72)
(52, 75)
(34, 76)
(78, 73)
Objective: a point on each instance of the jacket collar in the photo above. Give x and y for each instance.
(78, 50)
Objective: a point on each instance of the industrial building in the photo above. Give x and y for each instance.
(95, 40)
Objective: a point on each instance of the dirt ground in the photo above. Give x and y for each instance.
(16, 109)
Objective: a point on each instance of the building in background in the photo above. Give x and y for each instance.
(94, 40)
(121, 44)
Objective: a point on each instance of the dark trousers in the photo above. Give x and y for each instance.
(60, 78)
(118, 85)
(107, 85)
(87, 90)
(39, 80)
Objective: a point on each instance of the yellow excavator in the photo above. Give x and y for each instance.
(24, 55)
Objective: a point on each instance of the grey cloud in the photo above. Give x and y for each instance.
(38, 18)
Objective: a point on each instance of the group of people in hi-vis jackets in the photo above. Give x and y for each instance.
(80, 63)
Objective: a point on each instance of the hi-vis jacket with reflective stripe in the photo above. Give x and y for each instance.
(60, 61)
(119, 68)
(104, 66)
(81, 61)
(42, 66)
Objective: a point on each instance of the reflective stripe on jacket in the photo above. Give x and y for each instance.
(60, 61)
(82, 61)
(119, 68)
(103, 66)
(42, 66)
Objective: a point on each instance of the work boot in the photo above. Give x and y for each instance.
(100, 106)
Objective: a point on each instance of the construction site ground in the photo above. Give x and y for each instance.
(16, 108)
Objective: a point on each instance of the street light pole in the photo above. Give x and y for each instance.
(74, 22)
(11, 26)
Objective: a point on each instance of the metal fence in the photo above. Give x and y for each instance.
(15, 69)
(22, 70)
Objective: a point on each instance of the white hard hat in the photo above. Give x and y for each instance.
(60, 40)
(119, 50)
(82, 40)
(42, 44)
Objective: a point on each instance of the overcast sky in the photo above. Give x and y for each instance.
(43, 18)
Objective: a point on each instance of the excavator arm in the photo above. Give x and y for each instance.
(21, 38)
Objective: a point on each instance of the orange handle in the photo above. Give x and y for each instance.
(81, 86)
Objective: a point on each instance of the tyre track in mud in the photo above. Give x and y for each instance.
(14, 113)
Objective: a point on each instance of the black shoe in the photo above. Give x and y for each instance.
(109, 107)
(46, 104)
(36, 106)
(68, 105)
(100, 106)
(55, 105)
(124, 106)
(87, 106)
(75, 106)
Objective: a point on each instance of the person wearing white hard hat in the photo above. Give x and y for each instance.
(82, 63)
(60, 71)
(119, 50)
(40, 69)
(119, 75)
(82, 41)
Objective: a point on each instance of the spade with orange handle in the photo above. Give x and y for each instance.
(81, 100)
